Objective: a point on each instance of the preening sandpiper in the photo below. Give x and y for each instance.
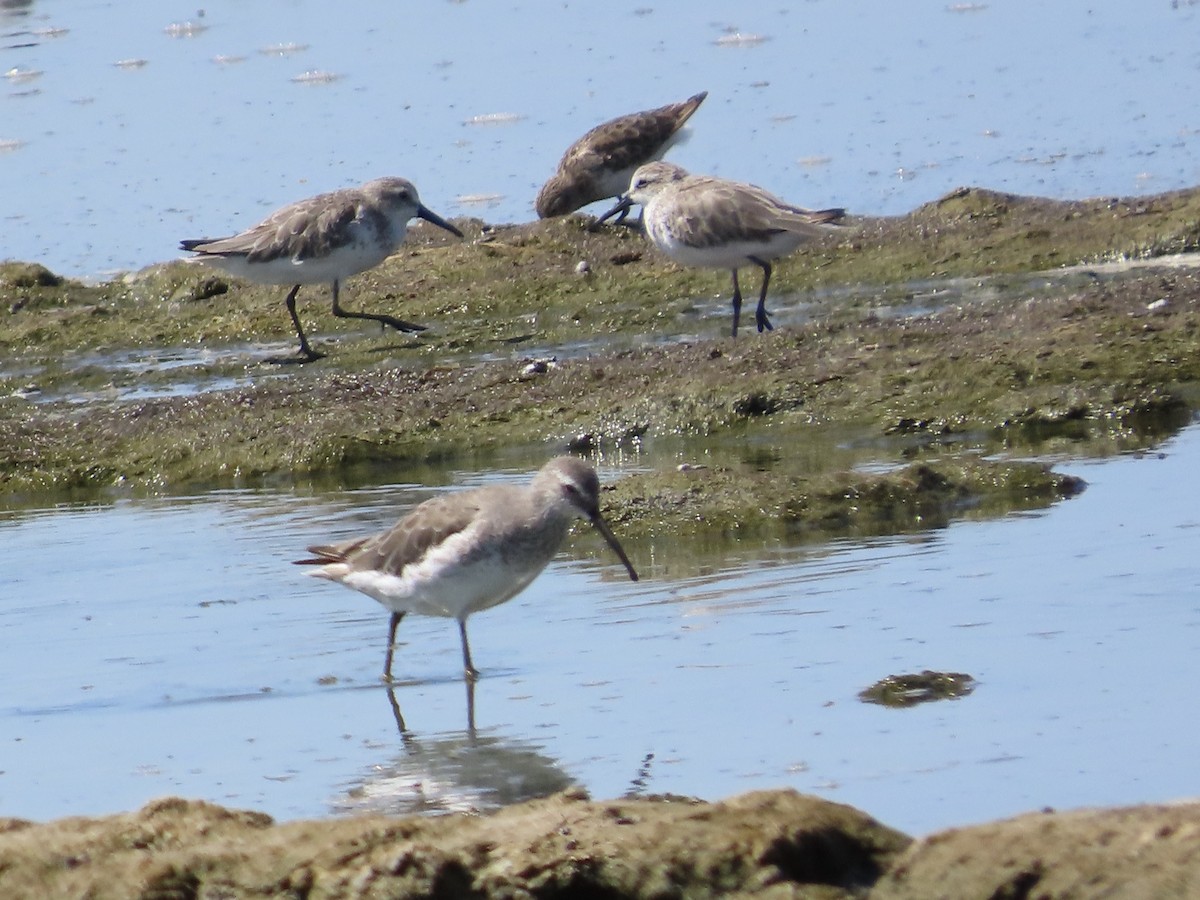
(462, 552)
(699, 220)
(599, 165)
(326, 238)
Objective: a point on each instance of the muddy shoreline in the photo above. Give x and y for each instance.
(147, 384)
(960, 341)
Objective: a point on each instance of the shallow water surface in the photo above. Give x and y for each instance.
(167, 646)
(126, 126)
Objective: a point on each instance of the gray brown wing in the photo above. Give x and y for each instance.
(407, 541)
(298, 231)
(717, 211)
(627, 141)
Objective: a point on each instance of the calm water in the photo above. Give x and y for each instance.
(167, 647)
(125, 126)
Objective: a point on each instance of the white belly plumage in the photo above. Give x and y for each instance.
(343, 262)
(442, 584)
(713, 252)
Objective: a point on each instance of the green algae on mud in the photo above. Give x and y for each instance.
(511, 284)
(777, 504)
(1017, 363)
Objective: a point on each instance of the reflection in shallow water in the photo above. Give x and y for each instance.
(457, 771)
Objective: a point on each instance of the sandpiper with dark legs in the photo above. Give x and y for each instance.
(599, 165)
(699, 220)
(466, 551)
(326, 238)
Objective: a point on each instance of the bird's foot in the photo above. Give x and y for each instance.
(301, 357)
(401, 325)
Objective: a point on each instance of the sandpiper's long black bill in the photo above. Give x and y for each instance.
(430, 216)
(615, 544)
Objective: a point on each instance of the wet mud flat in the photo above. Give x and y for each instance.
(970, 343)
(938, 335)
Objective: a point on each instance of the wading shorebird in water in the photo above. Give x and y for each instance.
(466, 551)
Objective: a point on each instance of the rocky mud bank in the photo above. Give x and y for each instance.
(770, 844)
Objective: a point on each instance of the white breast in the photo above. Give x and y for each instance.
(441, 584)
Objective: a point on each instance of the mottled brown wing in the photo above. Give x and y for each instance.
(629, 140)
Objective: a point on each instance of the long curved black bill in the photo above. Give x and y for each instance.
(603, 528)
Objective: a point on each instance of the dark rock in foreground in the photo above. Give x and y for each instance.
(562, 846)
(765, 844)
(1131, 852)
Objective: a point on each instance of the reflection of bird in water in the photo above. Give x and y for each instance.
(459, 553)
(459, 771)
(399, 716)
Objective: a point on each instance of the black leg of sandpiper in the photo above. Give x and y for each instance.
(737, 302)
(391, 645)
(306, 351)
(398, 324)
(468, 667)
(760, 315)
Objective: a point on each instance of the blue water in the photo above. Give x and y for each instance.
(167, 646)
(208, 125)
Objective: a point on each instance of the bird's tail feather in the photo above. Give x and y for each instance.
(324, 554)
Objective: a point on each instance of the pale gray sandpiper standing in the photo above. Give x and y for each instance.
(599, 165)
(469, 550)
(699, 220)
(325, 238)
